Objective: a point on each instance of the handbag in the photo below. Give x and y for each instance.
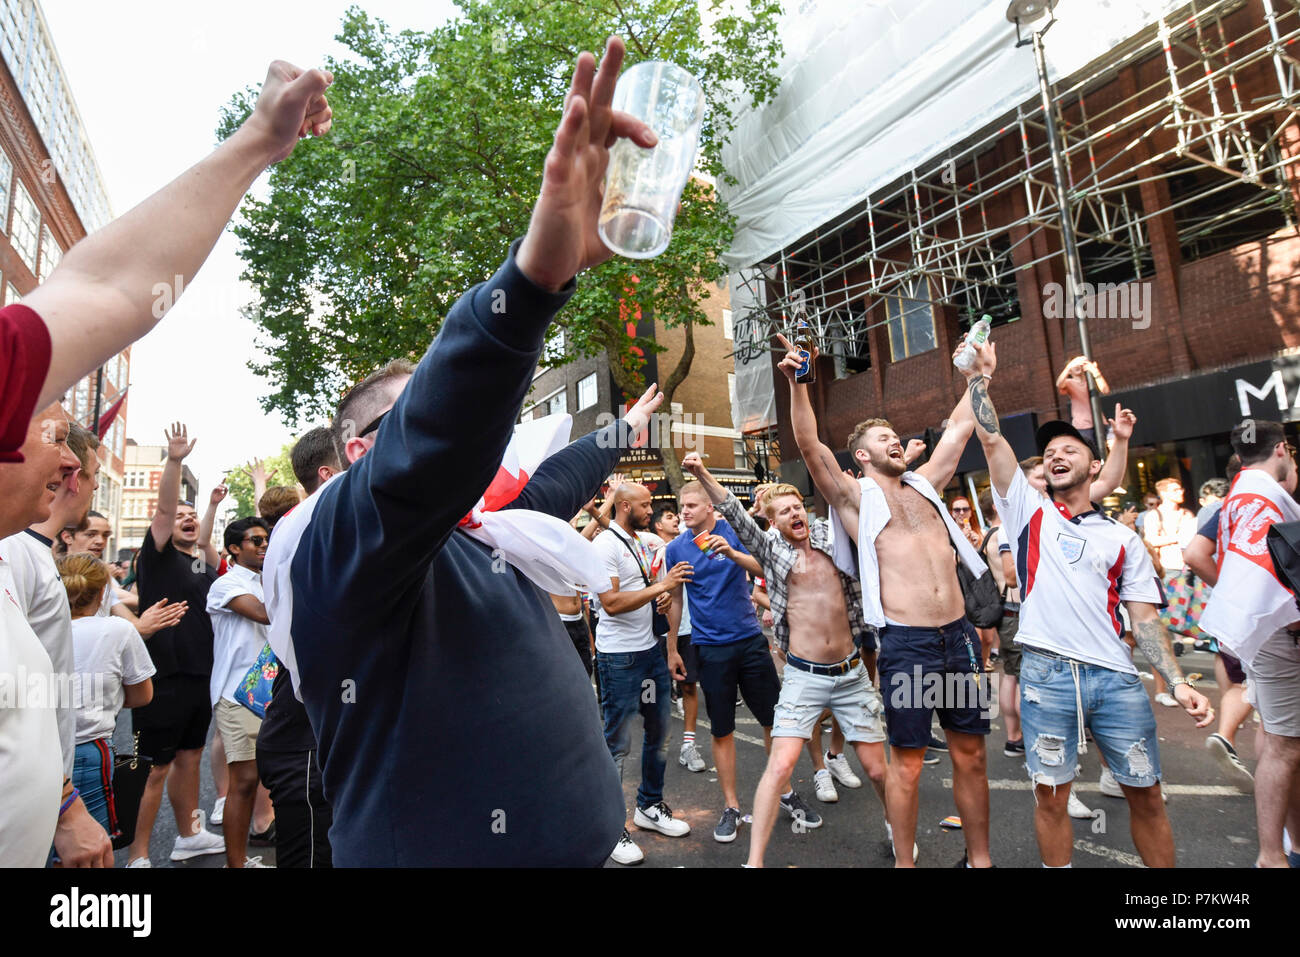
(254, 691)
(130, 774)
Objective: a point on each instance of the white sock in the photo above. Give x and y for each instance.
(1061, 868)
(786, 795)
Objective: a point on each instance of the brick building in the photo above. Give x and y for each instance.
(1181, 149)
(701, 409)
(144, 468)
(51, 195)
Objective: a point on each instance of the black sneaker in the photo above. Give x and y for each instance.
(930, 757)
(1014, 749)
(799, 811)
(938, 744)
(725, 832)
(265, 839)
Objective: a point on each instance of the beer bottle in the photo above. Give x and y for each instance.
(803, 341)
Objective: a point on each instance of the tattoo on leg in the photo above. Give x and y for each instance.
(985, 415)
(1152, 638)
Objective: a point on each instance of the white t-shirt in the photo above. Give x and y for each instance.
(236, 640)
(31, 761)
(630, 631)
(659, 569)
(44, 600)
(109, 654)
(1074, 571)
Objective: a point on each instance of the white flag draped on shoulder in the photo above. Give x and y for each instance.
(1249, 603)
(546, 549)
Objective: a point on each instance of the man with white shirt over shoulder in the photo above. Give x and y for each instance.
(235, 604)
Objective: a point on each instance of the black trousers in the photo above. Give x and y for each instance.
(302, 815)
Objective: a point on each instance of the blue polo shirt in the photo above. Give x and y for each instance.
(719, 593)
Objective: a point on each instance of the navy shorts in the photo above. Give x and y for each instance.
(924, 670)
(747, 665)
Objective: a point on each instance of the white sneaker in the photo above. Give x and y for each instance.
(679, 709)
(659, 817)
(824, 785)
(1077, 808)
(196, 845)
(218, 812)
(625, 852)
(690, 759)
(840, 770)
(255, 862)
(1166, 699)
(140, 862)
(1109, 786)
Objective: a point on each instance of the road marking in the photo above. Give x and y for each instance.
(735, 734)
(1192, 790)
(1109, 853)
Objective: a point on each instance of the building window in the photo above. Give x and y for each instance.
(910, 319)
(726, 324)
(587, 393)
(51, 253)
(6, 180)
(25, 231)
(738, 449)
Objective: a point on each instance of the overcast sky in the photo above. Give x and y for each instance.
(149, 79)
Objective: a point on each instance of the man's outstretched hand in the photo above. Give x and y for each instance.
(562, 239)
(291, 106)
(639, 415)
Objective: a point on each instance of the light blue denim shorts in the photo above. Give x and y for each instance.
(1114, 706)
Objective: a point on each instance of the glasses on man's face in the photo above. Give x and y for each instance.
(257, 541)
(374, 424)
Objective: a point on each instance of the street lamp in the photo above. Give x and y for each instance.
(1028, 12)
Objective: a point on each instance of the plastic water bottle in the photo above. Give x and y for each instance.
(978, 335)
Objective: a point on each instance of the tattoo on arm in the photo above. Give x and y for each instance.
(1152, 638)
(985, 415)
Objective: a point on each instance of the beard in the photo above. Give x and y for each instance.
(1068, 481)
(882, 463)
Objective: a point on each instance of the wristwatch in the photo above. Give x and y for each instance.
(1181, 681)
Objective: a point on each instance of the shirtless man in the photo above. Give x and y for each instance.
(905, 541)
(815, 610)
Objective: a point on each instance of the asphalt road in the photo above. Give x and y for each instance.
(1213, 822)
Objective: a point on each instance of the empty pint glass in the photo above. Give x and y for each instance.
(644, 186)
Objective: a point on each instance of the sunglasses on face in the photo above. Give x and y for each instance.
(257, 541)
(960, 509)
(374, 424)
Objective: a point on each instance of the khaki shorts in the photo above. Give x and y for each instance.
(1008, 650)
(1275, 678)
(238, 727)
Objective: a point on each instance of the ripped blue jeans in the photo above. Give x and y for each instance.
(1058, 698)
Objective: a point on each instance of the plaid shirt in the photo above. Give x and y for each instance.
(778, 558)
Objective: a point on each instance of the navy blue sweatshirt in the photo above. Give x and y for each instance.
(456, 725)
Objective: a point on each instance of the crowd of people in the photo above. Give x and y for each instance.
(334, 646)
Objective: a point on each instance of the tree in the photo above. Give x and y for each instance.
(369, 235)
(240, 483)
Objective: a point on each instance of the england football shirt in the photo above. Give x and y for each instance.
(1074, 571)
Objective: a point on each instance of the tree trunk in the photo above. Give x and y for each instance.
(633, 384)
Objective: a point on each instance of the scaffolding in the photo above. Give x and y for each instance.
(940, 233)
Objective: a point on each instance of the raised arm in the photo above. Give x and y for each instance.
(210, 553)
(570, 476)
(113, 286)
(482, 360)
(997, 450)
(163, 525)
(1063, 380)
(839, 490)
(947, 454)
(747, 530)
(1112, 472)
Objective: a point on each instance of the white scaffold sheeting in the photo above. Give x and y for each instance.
(753, 406)
(872, 88)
